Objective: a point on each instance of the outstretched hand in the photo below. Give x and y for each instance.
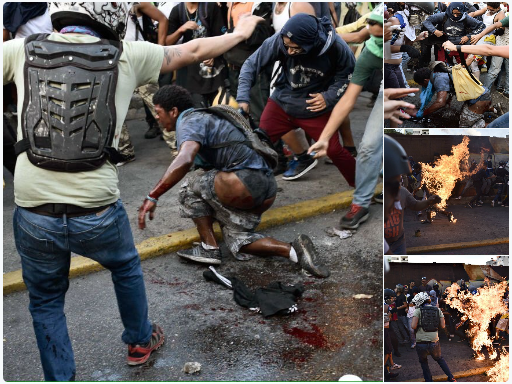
(247, 24)
(320, 147)
(147, 206)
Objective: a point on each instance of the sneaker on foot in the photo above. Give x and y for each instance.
(413, 346)
(298, 168)
(308, 257)
(139, 353)
(153, 131)
(458, 198)
(125, 160)
(201, 255)
(355, 217)
(379, 198)
(492, 203)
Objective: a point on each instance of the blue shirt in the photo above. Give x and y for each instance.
(209, 130)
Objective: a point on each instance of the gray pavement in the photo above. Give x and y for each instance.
(473, 224)
(331, 335)
(458, 356)
(152, 159)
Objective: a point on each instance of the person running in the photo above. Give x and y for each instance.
(316, 67)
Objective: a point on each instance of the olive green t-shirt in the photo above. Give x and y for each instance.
(504, 22)
(366, 63)
(139, 64)
(421, 335)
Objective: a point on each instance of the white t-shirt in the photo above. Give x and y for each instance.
(39, 24)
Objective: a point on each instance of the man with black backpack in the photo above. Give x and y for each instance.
(234, 184)
(426, 322)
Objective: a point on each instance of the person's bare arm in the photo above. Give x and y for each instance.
(478, 12)
(202, 49)
(420, 205)
(338, 115)
(483, 49)
(490, 28)
(356, 37)
(174, 37)
(174, 174)
(156, 15)
(333, 14)
(442, 323)
(414, 322)
(441, 101)
(6, 35)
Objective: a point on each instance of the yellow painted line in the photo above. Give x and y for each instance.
(413, 84)
(161, 245)
(457, 375)
(447, 247)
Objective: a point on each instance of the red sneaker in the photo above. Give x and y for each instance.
(139, 354)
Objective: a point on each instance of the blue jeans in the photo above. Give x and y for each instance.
(369, 156)
(45, 244)
(434, 350)
(497, 65)
(501, 188)
(500, 122)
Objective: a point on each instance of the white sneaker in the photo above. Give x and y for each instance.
(458, 198)
(411, 94)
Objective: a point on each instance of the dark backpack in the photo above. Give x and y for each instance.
(430, 318)
(256, 138)
(148, 30)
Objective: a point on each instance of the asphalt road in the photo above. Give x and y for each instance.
(153, 157)
(472, 224)
(332, 334)
(458, 356)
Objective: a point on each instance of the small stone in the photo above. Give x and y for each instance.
(191, 367)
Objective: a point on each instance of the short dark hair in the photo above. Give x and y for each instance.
(421, 75)
(493, 5)
(170, 96)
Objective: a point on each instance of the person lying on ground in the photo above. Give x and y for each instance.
(234, 185)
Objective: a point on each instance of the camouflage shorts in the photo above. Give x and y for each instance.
(198, 199)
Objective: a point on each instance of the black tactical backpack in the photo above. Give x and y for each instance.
(430, 318)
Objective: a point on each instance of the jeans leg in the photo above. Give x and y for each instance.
(493, 72)
(108, 240)
(500, 122)
(45, 261)
(405, 327)
(413, 335)
(394, 326)
(435, 352)
(468, 185)
(369, 158)
(498, 195)
(422, 351)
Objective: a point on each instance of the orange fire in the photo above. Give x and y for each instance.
(499, 373)
(480, 309)
(440, 179)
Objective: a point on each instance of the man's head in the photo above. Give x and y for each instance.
(395, 164)
(424, 281)
(422, 76)
(420, 299)
(399, 288)
(492, 8)
(170, 101)
(304, 34)
(412, 284)
(456, 11)
(376, 21)
(107, 19)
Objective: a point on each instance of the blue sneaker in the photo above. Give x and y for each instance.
(298, 168)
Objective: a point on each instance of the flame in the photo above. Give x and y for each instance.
(499, 373)
(480, 309)
(440, 179)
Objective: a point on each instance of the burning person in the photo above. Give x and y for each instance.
(426, 322)
(398, 198)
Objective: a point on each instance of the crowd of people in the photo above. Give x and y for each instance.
(208, 74)
(404, 307)
(451, 49)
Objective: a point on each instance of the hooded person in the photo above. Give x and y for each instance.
(316, 68)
